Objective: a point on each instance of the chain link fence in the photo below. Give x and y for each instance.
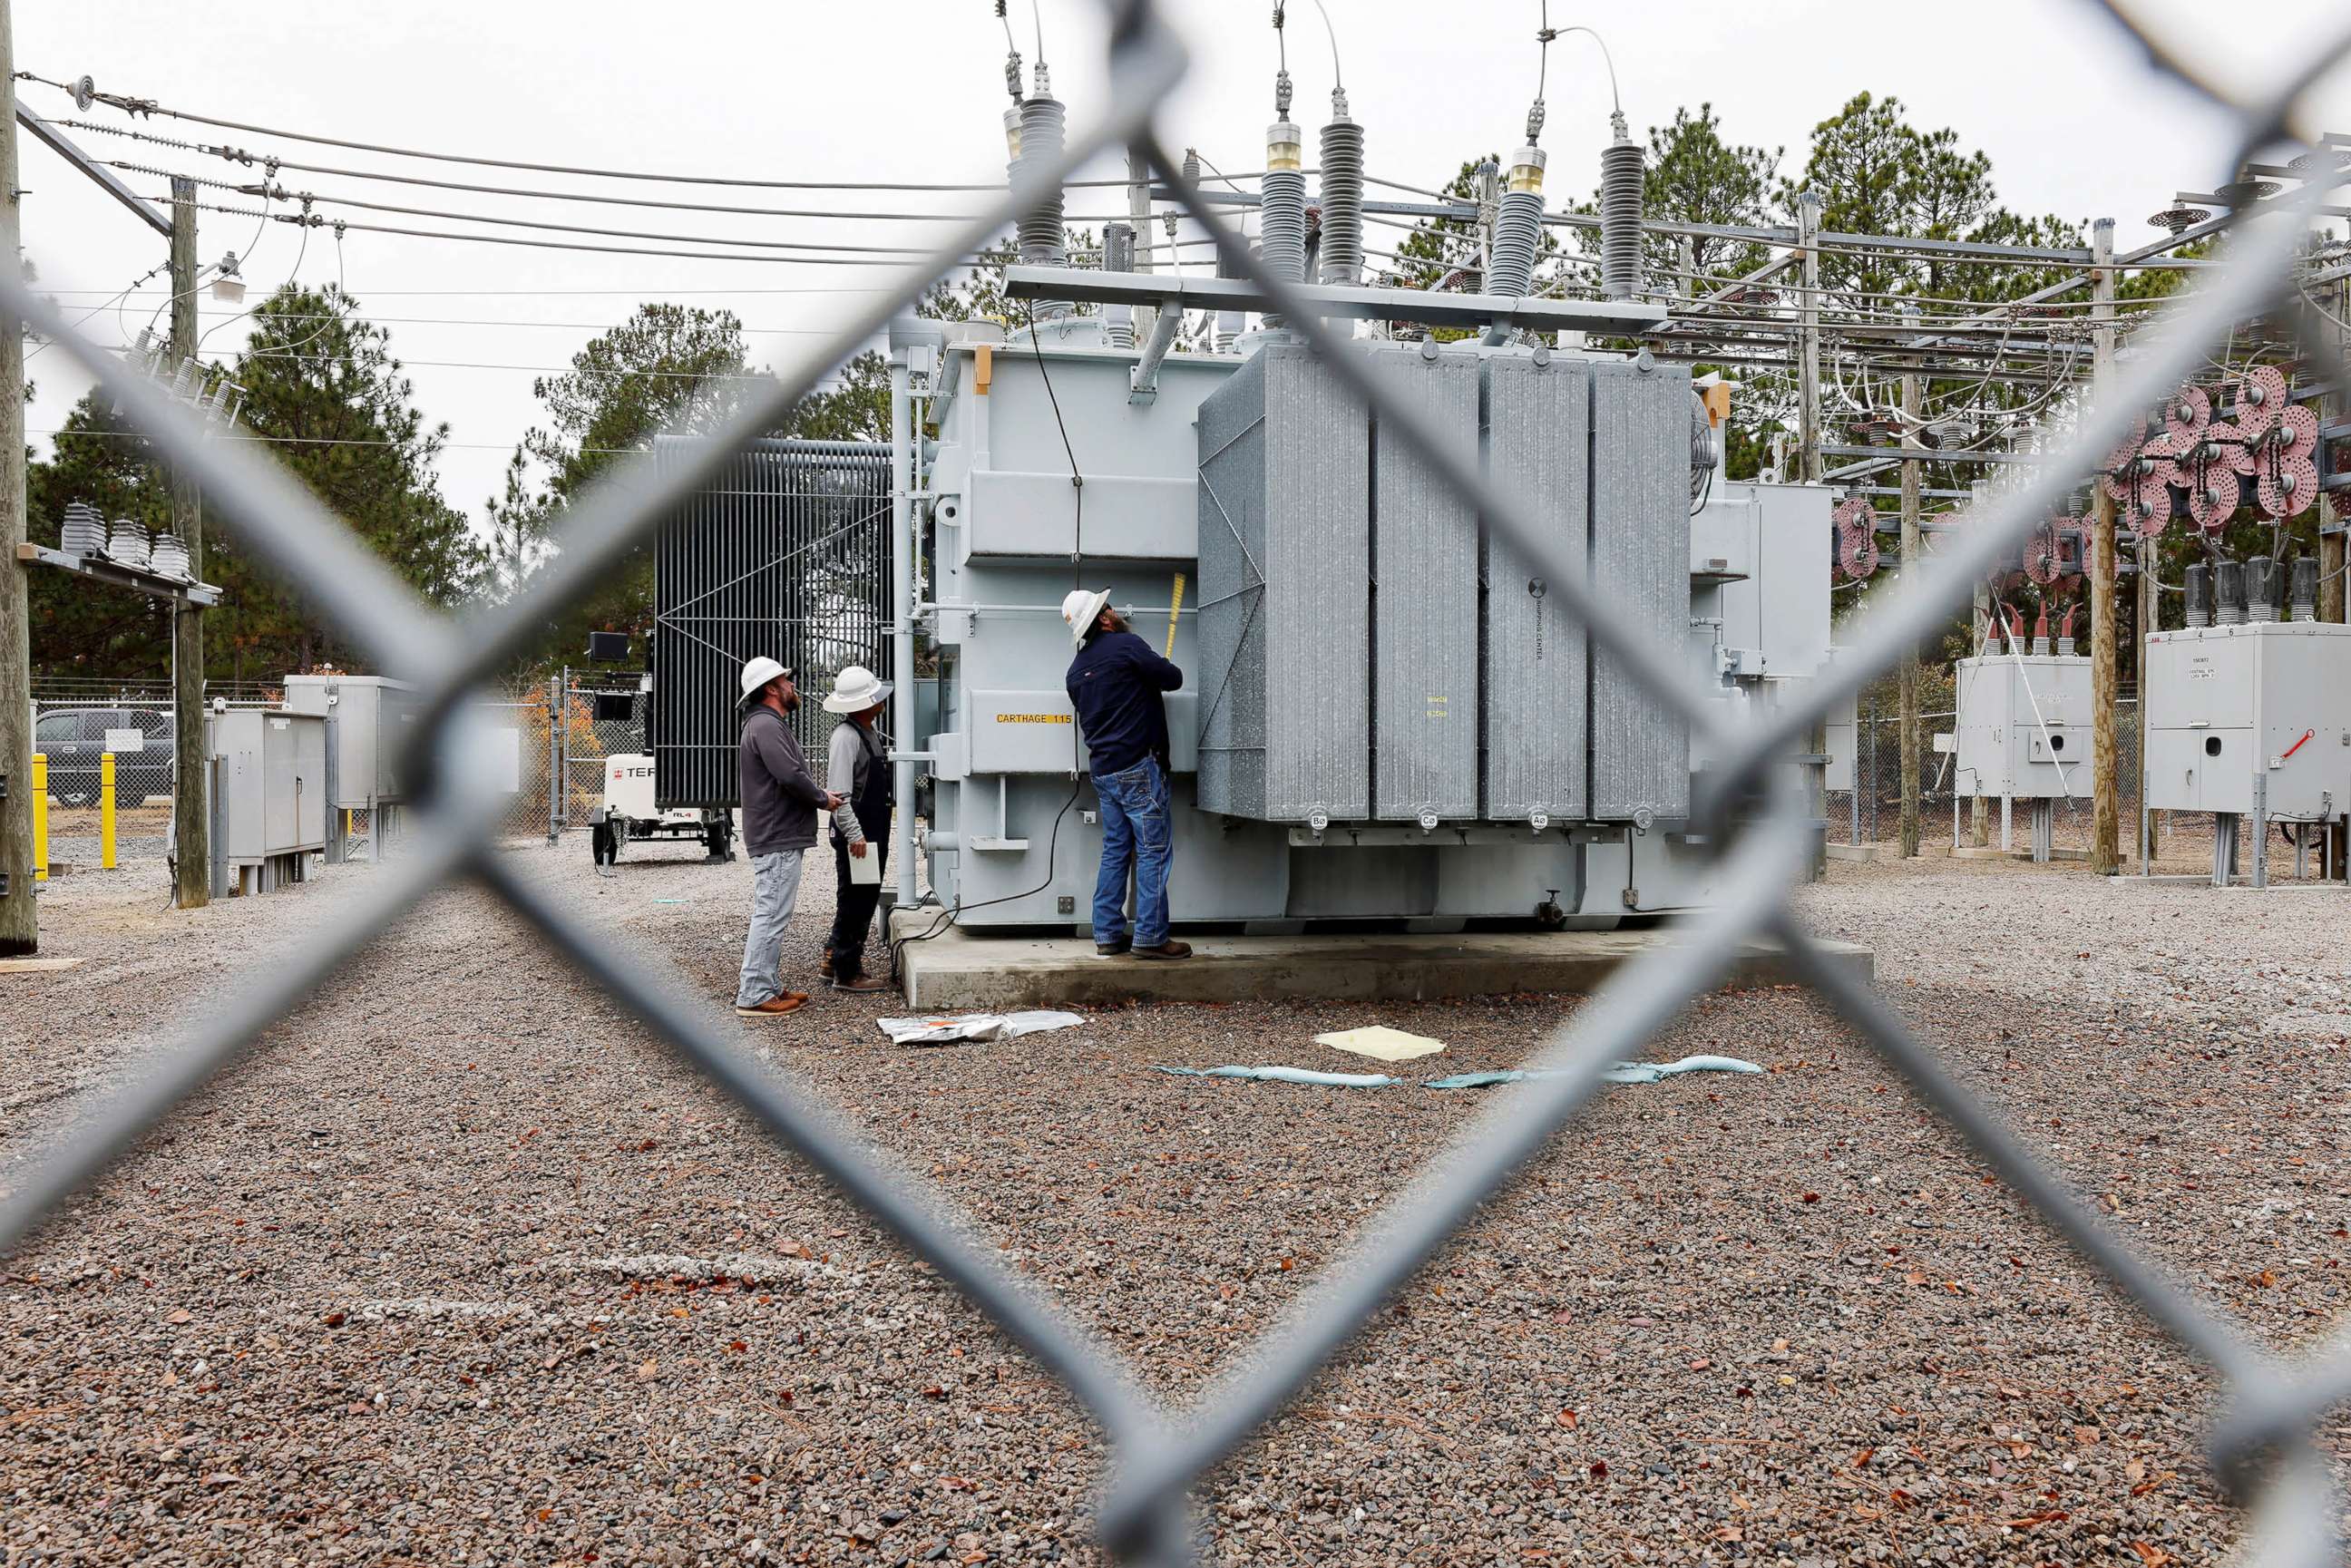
(1751, 805)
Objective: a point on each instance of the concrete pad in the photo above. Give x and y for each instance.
(958, 968)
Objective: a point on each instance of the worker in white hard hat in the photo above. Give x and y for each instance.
(1119, 687)
(857, 770)
(781, 801)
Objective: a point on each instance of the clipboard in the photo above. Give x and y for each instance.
(865, 870)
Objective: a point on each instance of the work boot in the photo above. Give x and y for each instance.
(1113, 949)
(862, 983)
(824, 966)
(1167, 950)
(773, 1008)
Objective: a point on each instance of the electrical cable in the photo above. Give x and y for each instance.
(566, 244)
(113, 299)
(272, 164)
(150, 107)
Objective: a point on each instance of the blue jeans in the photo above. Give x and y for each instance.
(1136, 832)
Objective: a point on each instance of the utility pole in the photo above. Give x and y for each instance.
(2105, 798)
(20, 930)
(2330, 515)
(190, 822)
(1914, 553)
(2144, 622)
(1808, 469)
(1808, 380)
(1979, 624)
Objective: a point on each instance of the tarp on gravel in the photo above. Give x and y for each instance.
(952, 1027)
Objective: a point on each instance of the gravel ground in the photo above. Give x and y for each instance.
(459, 1267)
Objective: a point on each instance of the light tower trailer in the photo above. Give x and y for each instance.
(630, 810)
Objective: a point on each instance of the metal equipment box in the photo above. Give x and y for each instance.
(1640, 569)
(1425, 597)
(2227, 704)
(273, 781)
(1537, 429)
(1771, 544)
(1285, 593)
(2023, 727)
(372, 715)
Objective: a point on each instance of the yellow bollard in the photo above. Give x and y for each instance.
(106, 811)
(40, 816)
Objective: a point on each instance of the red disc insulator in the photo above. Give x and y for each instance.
(2187, 414)
(2300, 423)
(2261, 398)
(1857, 553)
(2290, 490)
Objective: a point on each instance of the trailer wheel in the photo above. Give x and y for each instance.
(604, 844)
(720, 840)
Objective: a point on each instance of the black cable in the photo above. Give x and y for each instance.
(948, 917)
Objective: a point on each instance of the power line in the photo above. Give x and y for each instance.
(149, 106)
(484, 321)
(272, 164)
(558, 245)
(329, 441)
(551, 294)
(306, 198)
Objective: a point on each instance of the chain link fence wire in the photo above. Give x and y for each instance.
(1751, 805)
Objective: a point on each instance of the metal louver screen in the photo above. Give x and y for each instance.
(786, 552)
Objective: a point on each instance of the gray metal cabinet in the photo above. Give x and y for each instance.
(272, 783)
(372, 715)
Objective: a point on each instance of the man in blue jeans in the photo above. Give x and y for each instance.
(1115, 683)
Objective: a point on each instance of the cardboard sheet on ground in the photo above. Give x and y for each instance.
(941, 1029)
(1380, 1043)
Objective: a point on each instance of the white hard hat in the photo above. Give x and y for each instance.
(1082, 608)
(854, 690)
(756, 676)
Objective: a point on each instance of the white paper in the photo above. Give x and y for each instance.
(865, 870)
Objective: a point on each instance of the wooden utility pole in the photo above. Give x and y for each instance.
(19, 929)
(2146, 620)
(2105, 798)
(1914, 561)
(1808, 469)
(191, 819)
(1808, 328)
(2330, 515)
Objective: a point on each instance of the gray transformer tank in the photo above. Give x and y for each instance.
(1285, 603)
(1371, 654)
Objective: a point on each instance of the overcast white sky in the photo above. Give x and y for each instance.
(912, 90)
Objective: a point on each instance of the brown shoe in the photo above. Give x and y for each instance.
(862, 983)
(794, 996)
(824, 966)
(773, 1008)
(1170, 949)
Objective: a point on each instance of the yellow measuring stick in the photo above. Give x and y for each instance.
(1175, 603)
